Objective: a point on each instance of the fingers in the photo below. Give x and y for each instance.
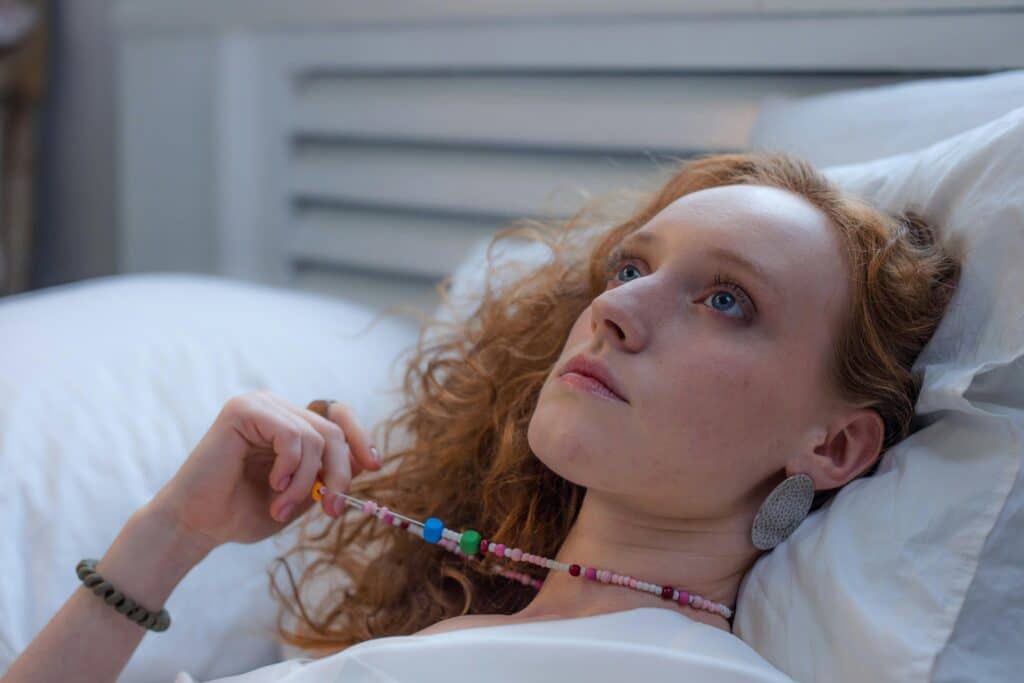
(337, 476)
(262, 424)
(296, 495)
(340, 413)
(297, 448)
(340, 462)
(322, 441)
(298, 452)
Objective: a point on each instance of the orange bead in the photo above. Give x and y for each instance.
(317, 492)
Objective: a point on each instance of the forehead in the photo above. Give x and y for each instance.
(767, 221)
(782, 233)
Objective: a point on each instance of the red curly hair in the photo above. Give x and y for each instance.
(470, 388)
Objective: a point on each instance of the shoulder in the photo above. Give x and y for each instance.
(465, 621)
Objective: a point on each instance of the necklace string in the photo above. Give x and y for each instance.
(469, 543)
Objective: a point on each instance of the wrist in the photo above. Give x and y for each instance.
(190, 545)
(150, 557)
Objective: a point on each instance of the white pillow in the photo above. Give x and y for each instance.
(869, 123)
(106, 385)
(915, 574)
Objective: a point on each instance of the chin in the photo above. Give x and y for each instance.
(562, 443)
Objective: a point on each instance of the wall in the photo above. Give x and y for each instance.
(77, 229)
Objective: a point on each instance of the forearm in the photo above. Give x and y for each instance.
(88, 640)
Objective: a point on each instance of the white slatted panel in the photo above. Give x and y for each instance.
(606, 113)
(402, 146)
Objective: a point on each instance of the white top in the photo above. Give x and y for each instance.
(649, 644)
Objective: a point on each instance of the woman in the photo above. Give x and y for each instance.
(750, 322)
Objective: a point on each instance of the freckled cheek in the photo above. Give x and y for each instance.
(709, 411)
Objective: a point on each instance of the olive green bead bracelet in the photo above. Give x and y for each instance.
(86, 570)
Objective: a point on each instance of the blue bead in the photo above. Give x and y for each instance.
(432, 529)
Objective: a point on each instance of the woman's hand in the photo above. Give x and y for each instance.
(254, 470)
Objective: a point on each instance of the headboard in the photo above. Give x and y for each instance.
(360, 149)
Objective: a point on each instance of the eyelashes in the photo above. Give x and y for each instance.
(619, 258)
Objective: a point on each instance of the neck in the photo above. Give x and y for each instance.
(706, 556)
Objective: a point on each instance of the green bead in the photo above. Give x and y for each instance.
(470, 542)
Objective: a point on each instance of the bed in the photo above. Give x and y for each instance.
(106, 384)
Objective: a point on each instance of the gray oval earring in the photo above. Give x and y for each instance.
(782, 511)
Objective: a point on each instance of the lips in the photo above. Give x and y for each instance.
(596, 369)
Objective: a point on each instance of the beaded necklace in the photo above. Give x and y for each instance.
(469, 543)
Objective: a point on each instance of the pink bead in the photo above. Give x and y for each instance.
(684, 598)
(590, 573)
(607, 578)
(517, 554)
(368, 507)
(499, 550)
(632, 583)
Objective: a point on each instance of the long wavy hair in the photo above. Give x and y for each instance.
(457, 447)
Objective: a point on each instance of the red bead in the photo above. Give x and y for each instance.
(666, 592)
(405, 524)
(483, 546)
(574, 569)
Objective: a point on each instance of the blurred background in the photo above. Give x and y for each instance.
(360, 148)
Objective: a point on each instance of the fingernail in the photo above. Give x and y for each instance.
(338, 505)
(285, 512)
(375, 454)
(283, 484)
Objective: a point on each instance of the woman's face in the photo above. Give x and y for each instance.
(724, 385)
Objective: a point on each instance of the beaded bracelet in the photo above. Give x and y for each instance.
(86, 570)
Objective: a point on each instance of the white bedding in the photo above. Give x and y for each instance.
(649, 644)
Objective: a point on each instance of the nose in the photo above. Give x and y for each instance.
(613, 317)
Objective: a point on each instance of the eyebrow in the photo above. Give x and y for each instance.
(654, 240)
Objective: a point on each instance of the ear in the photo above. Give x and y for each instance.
(849, 448)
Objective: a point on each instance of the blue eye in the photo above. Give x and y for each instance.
(628, 265)
(730, 302)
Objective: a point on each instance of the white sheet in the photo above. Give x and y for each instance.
(648, 644)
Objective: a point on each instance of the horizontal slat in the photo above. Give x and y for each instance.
(373, 289)
(924, 43)
(482, 182)
(203, 14)
(890, 6)
(424, 245)
(634, 112)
